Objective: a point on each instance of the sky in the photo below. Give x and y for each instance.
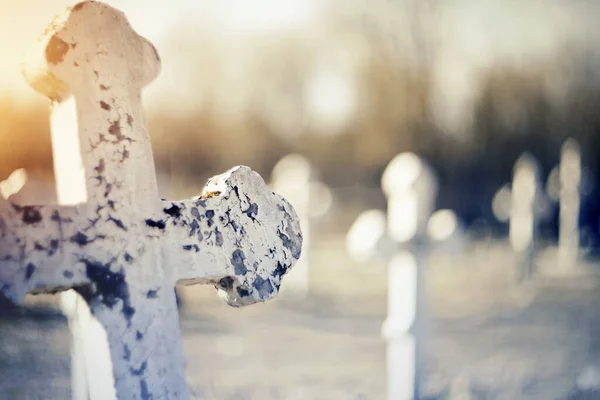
(24, 20)
(471, 36)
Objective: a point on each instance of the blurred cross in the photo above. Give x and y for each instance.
(565, 184)
(524, 206)
(112, 237)
(295, 178)
(401, 237)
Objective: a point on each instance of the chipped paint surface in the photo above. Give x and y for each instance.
(217, 231)
(123, 250)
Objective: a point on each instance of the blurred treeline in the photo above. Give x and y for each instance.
(398, 78)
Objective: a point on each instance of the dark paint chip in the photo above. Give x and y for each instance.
(237, 260)
(173, 211)
(243, 292)
(218, 238)
(80, 239)
(252, 211)
(226, 283)
(109, 287)
(29, 270)
(140, 370)
(263, 286)
(31, 215)
(190, 247)
(126, 353)
(144, 392)
(156, 224)
(56, 49)
(280, 270)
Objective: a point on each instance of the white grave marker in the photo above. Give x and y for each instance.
(112, 238)
(294, 178)
(411, 189)
(565, 186)
(523, 206)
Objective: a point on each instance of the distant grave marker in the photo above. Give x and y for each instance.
(523, 206)
(401, 237)
(565, 186)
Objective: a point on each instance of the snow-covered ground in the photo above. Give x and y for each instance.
(537, 341)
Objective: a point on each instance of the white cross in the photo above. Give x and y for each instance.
(117, 243)
(411, 189)
(565, 185)
(524, 206)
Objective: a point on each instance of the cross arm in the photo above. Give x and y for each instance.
(366, 238)
(238, 235)
(35, 253)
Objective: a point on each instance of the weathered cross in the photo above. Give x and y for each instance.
(117, 243)
(411, 189)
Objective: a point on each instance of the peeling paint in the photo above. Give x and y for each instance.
(109, 287)
(173, 211)
(155, 224)
(139, 371)
(56, 50)
(29, 270)
(237, 259)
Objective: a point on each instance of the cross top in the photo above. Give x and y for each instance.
(120, 246)
(92, 54)
(411, 188)
(90, 45)
(523, 196)
(526, 178)
(401, 173)
(570, 163)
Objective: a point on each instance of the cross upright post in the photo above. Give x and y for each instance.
(411, 190)
(567, 183)
(410, 187)
(570, 204)
(524, 219)
(112, 238)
